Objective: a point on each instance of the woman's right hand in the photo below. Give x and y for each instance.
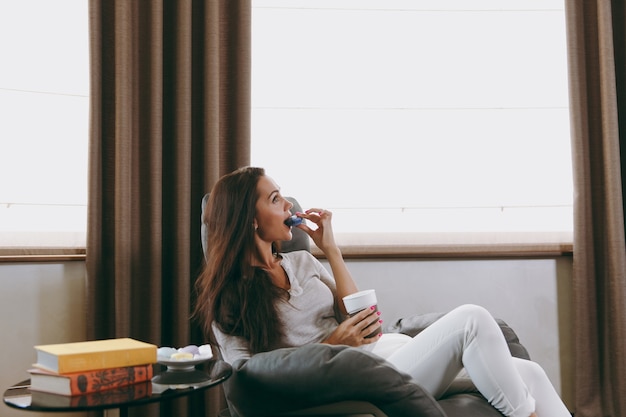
(353, 330)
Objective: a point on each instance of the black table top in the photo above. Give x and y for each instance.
(166, 384)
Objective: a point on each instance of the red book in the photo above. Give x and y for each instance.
(79, 383)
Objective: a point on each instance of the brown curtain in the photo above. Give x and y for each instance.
(597, 54)
(170, 113)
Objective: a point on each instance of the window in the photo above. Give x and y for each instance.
(416, 116)
(44, 87)
(398, 115)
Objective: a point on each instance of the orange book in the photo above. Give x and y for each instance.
(86, 382)
(65, 358)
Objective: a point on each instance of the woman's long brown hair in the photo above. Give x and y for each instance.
(232, 294)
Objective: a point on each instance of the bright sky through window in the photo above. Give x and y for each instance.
(416, 116)
(44, 87)
(435, 116)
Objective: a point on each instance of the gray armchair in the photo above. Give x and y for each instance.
(320, 379)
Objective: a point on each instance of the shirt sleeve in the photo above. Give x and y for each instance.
(231, 347)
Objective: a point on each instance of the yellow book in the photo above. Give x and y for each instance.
(65, 358)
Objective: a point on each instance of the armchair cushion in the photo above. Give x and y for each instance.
(316, 374)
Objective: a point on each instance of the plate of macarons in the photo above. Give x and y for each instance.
(184, 357)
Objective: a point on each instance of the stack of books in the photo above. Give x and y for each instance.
(80, 368)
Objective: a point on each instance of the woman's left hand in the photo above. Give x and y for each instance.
(322, 236)
(324, 239)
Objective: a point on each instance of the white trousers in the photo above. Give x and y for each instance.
(468, 337)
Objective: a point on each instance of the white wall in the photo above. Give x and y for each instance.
(39, 303)
(45, 303)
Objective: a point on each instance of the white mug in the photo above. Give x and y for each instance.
(360, 301)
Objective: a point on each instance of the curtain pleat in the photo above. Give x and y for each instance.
(596, 44)
(170, 114)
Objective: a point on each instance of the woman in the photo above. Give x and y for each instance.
(252, 298)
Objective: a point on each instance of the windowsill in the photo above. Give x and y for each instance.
(383, 245)
(453, 245)
(35, 254)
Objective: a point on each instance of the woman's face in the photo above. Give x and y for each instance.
(272, 209)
